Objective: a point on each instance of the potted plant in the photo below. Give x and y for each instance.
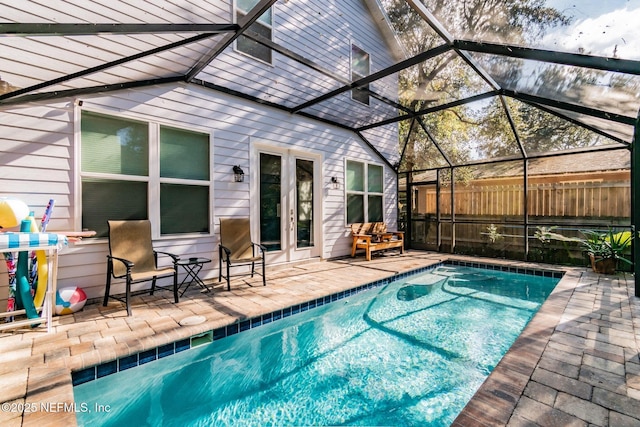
(606, 249)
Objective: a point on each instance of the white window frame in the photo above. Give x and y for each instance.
(153, 179)
(359, 76)
(236, 11)
(366, 193)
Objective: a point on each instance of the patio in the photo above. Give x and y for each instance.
(576, 363)
(475, 134)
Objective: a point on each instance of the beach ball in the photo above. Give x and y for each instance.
(12, 212)
(69, 300)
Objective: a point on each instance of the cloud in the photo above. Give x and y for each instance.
(610, 35)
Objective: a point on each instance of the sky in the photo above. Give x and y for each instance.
(600, 27)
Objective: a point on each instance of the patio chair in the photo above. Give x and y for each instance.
(237, 249)
(132, 257)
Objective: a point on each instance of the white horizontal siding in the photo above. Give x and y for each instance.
(37, 142)
(36, 59)
(37, 171)
(320, 31)
(36, 154)
(292, 87)
(387, 133)
(108, 11)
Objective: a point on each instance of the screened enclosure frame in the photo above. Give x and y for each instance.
(620, 128)
(525, 223)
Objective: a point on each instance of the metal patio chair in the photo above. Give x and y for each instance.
(132, 257)
(237, 249)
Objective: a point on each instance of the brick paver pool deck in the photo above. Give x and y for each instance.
(575, 364)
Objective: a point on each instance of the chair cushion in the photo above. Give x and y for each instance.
(244, 260)
(137, 276)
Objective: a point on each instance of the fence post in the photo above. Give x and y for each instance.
(525, 201)
(635, 204)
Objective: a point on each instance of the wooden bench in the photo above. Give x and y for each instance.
(373, 236)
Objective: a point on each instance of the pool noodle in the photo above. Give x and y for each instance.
(11, 271)
(33, 273)
(23, 287)
(39, 267)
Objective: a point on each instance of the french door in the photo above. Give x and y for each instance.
(289, 208)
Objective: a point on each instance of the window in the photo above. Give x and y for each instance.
(263, 26)
(360, 68)
(128, 173)
(364, 192)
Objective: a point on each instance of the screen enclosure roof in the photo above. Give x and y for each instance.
(459, 81)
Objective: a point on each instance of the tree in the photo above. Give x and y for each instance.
(447, 77)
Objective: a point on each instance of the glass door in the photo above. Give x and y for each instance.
(270, 201)
(424, 216)
(304, 204)
(289, 205)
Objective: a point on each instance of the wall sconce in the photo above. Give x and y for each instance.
(335, 183)
(238, 174)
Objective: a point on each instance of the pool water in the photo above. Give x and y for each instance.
(410, 353)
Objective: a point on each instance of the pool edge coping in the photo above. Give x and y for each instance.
(515, 370)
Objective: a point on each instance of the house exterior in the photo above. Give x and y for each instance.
(167, 149)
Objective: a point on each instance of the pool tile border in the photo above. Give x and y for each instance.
(556, 274)
(127, 362)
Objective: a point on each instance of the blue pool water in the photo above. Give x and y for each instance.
(409, 353)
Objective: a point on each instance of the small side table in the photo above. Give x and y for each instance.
(192, 266)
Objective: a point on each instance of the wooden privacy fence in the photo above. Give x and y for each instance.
(596, 198)
(581, 199)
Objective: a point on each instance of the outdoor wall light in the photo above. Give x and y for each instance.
(238, 174)
(335, 183)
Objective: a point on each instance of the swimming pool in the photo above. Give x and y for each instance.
(411, 352)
